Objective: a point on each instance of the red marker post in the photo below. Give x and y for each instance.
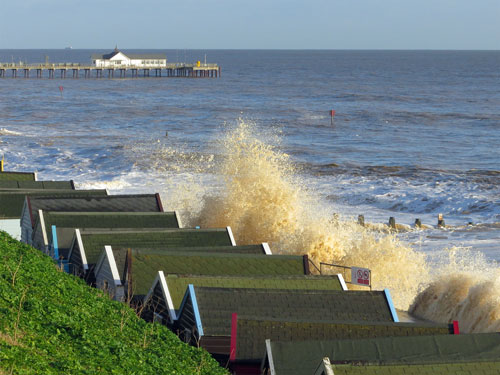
(332, 115)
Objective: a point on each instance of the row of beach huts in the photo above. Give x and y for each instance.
(255, 312)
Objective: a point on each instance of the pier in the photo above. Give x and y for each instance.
(77, 70)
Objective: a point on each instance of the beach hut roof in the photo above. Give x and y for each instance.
(93, 240)
(111, 219)
(12, 201)
(36, 185)
(66, 222)
(213, 307)
(17, 176)
(144, 266)
(303, 357)
(94, 203)
(482, 368)
(252, 333)
(176, 285)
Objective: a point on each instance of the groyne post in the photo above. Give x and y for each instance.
(392, 222)
(361, 220)
(440, 223)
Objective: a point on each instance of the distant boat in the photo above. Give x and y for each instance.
(69, 47)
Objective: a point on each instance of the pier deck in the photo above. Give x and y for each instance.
(92, 71)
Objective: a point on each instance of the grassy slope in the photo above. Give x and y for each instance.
(52, 323)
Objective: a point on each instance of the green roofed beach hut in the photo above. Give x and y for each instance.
(87, 245)
(397, 353)
(206, 314)
(142, 266)
(249, 335)
(167, 292)
(89, 203)
(12, 205)
(115, 258)
(65, 224)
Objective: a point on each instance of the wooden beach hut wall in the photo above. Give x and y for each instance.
(89, 202)
(165, 296)
(108, 278)
(10, 222)
(66, 222)
(87, 245)
(206, 313)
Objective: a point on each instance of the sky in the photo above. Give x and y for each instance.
(256, 24)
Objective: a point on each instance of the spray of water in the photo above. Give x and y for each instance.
(466, 288)
(261, 196)
(263, 199)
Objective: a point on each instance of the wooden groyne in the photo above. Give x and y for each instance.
(76, 70)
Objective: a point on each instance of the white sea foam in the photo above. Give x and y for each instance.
(4, 131)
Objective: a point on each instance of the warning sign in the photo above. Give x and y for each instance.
(360, 276)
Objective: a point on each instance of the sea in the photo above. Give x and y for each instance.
(415, 134)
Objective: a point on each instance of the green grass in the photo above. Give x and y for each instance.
(53, 323)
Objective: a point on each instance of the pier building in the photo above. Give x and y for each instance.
(117, 59)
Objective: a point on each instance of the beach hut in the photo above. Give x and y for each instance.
(165, 296)
(87, 245)
(206, 313)
(12, 203)
(248, 335)
(90, 203)
(428, 354)
(56, 226)
(142, 266)
(114, 258)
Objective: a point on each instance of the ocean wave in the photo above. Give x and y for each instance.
(4, 131)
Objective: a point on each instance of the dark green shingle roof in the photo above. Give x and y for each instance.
(11, 202)
(146, 266)
(474, 368)
(17, 176)
(94, 241)
(252, 333)
(303, 357)
(110, 219)
(177, 284)
(97, 203)
(36, 185)
(66, 222)
(216, 306)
